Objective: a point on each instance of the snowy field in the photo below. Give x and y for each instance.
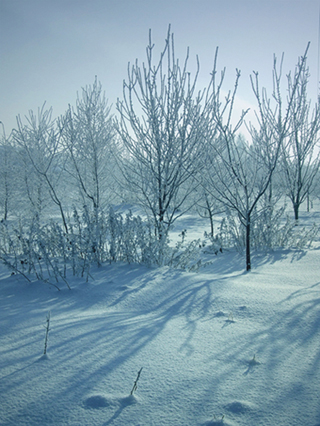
(216, 347)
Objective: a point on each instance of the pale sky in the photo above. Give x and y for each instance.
(50, 49)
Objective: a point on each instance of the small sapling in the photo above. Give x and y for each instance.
(47, 326)
(230, 318)
(135, 385)
(254, 361)
(217, 421)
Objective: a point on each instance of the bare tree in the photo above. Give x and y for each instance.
(88, 139)
(207, 205)
(159, 126)
(300, 161)
(39, 141)
(6, 173)
(243, 170)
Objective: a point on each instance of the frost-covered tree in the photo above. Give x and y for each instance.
(6, 188)
(207, 204)
(243, 169)
(39, 144)
(160, 126)
(88, 137)
(300, 156)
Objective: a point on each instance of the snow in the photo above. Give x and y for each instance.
(217, 347)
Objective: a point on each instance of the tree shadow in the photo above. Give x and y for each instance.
(115, 330)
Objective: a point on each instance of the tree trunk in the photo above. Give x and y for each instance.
(161, 219)
(210, 216)
(211, 224)
(248, 254)
(6, 199)
(296, 211)
(5, 216)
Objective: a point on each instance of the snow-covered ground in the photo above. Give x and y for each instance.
(216, 347)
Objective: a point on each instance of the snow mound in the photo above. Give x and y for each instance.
(98, 401)
(44, 357)
(101, 401)
(239, 407)
(219, 422)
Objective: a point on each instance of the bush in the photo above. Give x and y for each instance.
(270, 229)
(48, 252)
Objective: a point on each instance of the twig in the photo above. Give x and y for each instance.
(135, 385)
(47, 333)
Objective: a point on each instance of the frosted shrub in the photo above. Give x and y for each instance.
(269, 230)
(110, 237)
(48, 252)
(185, 255)
(86, 241)
(30, 249)
(273, 230)
(124, 236)
(9, 252)
(230, 234)
(132, 240)
(114, 231)
(78, 246)
(153, 250)
(290, 236)
(135, 239)
(134, 236)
